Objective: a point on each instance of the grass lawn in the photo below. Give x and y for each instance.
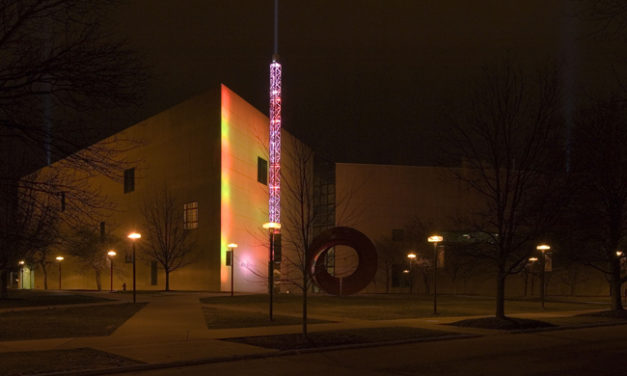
(218, 318)
(338, 337)
(33, 362)
(394, 306)
(62, 322)
(34, 298)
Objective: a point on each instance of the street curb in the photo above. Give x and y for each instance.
(234, 358)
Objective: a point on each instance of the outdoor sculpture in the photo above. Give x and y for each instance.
(360, 278)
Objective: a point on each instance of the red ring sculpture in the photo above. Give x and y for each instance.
(360, 278)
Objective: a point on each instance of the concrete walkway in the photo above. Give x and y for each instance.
(171, 328)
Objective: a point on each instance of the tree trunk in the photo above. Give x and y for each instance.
(305, 288)
(388, 278)
(615, 285)
(45, 271)
(98, 281)
(500, 296)
(167, 280)
(4, 292)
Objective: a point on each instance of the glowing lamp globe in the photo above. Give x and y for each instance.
(435, 239)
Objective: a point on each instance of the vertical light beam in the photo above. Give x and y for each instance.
(274, 178)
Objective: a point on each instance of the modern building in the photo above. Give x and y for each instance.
(210, 154)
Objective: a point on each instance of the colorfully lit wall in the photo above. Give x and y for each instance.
(244, 200)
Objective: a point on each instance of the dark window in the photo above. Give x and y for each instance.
(398, 235)
(129, 180)
(153, 273)
(229, 258)
(62, 196)
(190, 215)
(102, 230)
(262, 171)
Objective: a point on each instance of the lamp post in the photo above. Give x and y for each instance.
(435, 239)
(111, 254)
(231, 248)
(528, 269)
(621, 263)
(542, 248)
(412, 257)
(134, 236)
(21, 263)
(273, 228)
(59, 259)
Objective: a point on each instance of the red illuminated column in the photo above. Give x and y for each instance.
(275, 142)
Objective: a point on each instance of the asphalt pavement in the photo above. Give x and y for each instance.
(599, 351)
(170, 333)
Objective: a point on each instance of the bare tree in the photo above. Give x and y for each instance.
(90, 246)
(61, 75)
(600, 164)
(509, 139)
(390, 254)
(167, 240)
(28, 222)
(609, 17)
(393, 252)
(298, 218)
(303, 217)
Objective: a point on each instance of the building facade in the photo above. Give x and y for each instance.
(211, 154)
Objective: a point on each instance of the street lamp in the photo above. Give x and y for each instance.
(273, 229)
(59, 259)
(134, 236)
(542, 248)
(111, 254)
(231, 257)
(435, 239)
(412, 257)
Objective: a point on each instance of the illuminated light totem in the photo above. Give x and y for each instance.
(274, 178)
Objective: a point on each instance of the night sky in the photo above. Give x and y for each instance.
(363, 81)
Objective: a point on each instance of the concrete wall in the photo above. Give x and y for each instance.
(244, 200)
(178, 148)
(376, 199)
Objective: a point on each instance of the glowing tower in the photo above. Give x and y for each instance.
(274, 178)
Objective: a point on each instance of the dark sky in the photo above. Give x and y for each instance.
(364, 81)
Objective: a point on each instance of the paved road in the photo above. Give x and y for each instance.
(594, 351)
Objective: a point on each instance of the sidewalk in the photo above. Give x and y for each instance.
(171, 328)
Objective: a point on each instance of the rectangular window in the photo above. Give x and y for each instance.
(129, 180)
(190, 215)
(262, 171)
(153, 273)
